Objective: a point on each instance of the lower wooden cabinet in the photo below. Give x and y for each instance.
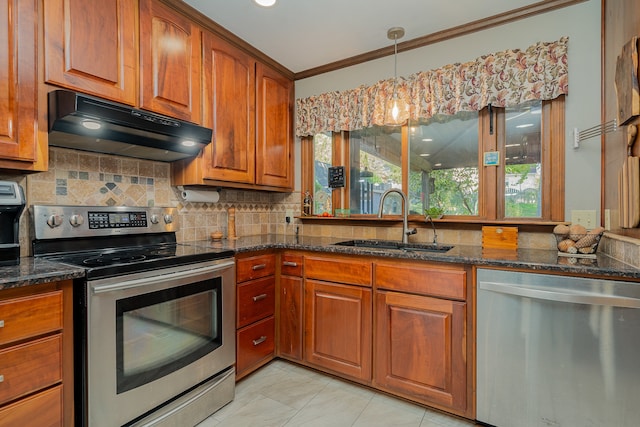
(338, 328)
(255, 310)
(420, 348)
(42, 410)
(290, 318)
(36, 355)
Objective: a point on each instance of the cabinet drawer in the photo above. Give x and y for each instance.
(425, 280)
(255, 267)
(291, 265)
(339, 270)
(42, 410)
(256, 300)
(255, 344)
(30, 316)
(30, 367)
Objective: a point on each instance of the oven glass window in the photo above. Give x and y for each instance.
(160, 332)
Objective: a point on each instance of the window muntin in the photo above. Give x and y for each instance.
(443, 164)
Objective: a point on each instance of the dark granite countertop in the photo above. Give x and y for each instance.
(531, 259)
(34, 271)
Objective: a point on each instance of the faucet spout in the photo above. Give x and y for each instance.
(435, 236)
(405, 213)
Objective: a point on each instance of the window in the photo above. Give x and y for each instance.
(439, 162)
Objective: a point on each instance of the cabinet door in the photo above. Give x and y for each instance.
(169, 62)
(338, 328)
(18, 90)
(91, 47)
(229, 109)
(420, 348)
(290, 318)
(274, 145)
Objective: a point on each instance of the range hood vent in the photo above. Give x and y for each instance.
(86, 123)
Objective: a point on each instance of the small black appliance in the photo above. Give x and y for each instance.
(12, 204)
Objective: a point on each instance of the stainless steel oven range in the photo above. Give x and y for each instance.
(153, 319)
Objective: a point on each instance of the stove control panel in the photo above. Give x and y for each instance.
(52, 222)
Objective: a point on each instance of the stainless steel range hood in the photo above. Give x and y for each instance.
(86, 123)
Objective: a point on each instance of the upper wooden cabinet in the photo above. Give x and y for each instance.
(92, 47)
(274, 144)
(170, 62)
(18, 89)
(229, 109)
(249, 107)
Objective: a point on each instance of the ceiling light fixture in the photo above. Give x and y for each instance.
(265, 3)
(394, 105)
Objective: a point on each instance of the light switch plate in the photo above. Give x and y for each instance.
(587, 218)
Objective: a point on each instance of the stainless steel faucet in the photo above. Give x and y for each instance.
(435, 236)
(405, 213)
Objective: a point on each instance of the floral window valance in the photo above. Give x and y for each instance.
(503, 79)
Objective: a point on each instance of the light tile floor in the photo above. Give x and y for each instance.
(285, 394)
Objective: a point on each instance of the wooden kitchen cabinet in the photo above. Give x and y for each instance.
(255, 311)
(338, 315)
(290, 306)
(249, 106)
(36, 355)
(274, 141)
(20, 146)
(170, 62)
(421, 343)
(229, 109)
(92, 47)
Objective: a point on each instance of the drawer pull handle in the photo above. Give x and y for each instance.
(258, 267)
(290, 264)
(260, 340)
(259, 297)
(1, 323)
(1, 378)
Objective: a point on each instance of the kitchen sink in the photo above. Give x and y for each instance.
(390, 244)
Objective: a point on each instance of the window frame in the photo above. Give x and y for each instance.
(491, 191)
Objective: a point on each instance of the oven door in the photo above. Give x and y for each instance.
(154, 335)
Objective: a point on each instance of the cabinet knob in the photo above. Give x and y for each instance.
(1, 378)
(260, 340)
(1, 323)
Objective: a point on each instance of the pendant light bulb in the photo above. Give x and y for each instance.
(393, 113)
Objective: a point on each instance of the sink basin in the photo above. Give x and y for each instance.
(390, 244)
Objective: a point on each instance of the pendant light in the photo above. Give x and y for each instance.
(395, 107)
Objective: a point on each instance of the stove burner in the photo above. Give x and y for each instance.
(112, 259)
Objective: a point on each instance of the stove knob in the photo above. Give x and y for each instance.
(76, 220)
(154, 219)
(54, 221)
(168, 219)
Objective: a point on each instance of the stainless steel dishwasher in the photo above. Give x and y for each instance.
(557, 351)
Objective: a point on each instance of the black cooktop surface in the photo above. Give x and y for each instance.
(133, 259)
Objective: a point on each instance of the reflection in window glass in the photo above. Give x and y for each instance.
(523, 168)
(322, 144)
(375, 155)
(443, 164)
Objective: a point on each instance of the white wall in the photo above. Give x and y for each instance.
(581, 23)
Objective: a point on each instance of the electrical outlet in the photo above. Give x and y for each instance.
(607, 219)
(288, 216)
(587, 218)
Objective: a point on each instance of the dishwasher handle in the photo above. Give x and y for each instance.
(560, 296)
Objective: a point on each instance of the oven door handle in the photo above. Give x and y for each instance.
(99, 289)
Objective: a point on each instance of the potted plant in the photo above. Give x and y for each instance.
(434, 212)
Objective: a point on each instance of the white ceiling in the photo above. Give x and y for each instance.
(305, 34)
